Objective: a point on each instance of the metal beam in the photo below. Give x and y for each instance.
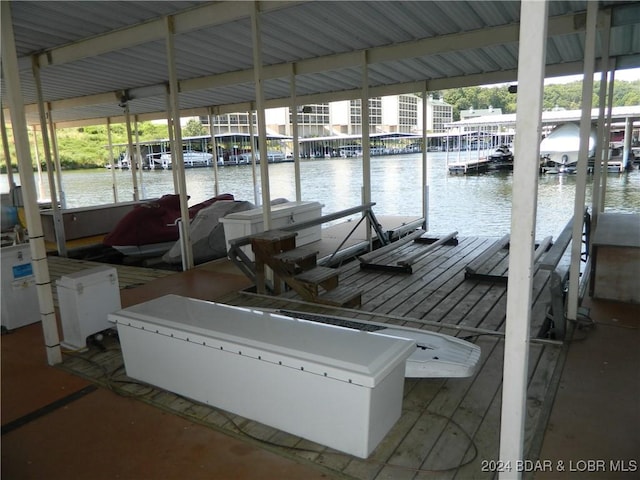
(204, 16)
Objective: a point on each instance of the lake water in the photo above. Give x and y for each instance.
(476, 205)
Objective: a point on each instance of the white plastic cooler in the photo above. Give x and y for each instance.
(338, 387)
(85, 299)
(241, 224)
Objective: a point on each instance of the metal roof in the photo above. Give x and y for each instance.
(90, 52)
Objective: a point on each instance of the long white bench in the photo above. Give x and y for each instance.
(337, 387)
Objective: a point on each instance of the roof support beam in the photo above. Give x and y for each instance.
(196, 18)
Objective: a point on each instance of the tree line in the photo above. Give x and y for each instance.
(567, 96)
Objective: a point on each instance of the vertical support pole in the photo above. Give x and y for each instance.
(602, 144)
(607, 137)
(626, 152)
(114, 187)
(56, 158)
(425, 160)
(214, 150)
(5, 146)
(58, 225)
(581, 167)
(262, 127)
(294, 127)
(178, 160)
(253, 143)
(37, 161)
(366, 143)
(139, 155)
(172, 143)
(10, 70)
(531, 65)
(132, 163)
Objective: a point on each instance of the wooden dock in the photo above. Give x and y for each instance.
(449, 428)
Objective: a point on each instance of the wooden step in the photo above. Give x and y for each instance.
(318, 275)
(341, 297)
(324, 277)
(298, 259)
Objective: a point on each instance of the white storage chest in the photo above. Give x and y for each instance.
(19, 298)
(338, 387)
(241, 224)
(85, 299)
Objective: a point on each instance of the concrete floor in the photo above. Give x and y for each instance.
(595, 417)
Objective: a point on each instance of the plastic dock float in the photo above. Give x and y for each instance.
(338, 387)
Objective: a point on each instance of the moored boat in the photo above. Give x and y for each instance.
(191, 158)
(501, 158)
(559, 150)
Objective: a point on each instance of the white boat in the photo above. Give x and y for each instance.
(436, 355)
(559, 150)
(191, 158)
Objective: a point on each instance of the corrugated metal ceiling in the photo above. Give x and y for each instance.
(324, 39)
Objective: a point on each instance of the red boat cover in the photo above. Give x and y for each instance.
(154, 222)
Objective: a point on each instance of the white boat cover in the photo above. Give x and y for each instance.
(207, 233)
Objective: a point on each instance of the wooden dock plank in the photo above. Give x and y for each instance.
(428, 439)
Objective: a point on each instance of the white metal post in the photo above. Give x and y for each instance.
(56, 158)
(178, 160)
(626, 152)
(172, 143)
(294, 127)
(112, 163)
(602, 145)
(214, 150)
(5, 147)
(531, 65)
(581, 167)
(262, 127)
(425, 162)
(139, 156)
(58, 226)
(11, 74)
(366, 146)
(607, 136)
(253, 144)
(132, 163)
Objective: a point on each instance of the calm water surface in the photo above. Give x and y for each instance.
(473, 205)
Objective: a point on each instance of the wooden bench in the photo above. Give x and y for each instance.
(403, 264)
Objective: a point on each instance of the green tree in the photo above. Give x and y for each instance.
(194, 128)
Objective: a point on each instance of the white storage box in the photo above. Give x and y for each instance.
(242, 224)
(338, 387)
(85, 299)
(20, 305)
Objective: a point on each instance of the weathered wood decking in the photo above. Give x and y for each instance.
(449, 428)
